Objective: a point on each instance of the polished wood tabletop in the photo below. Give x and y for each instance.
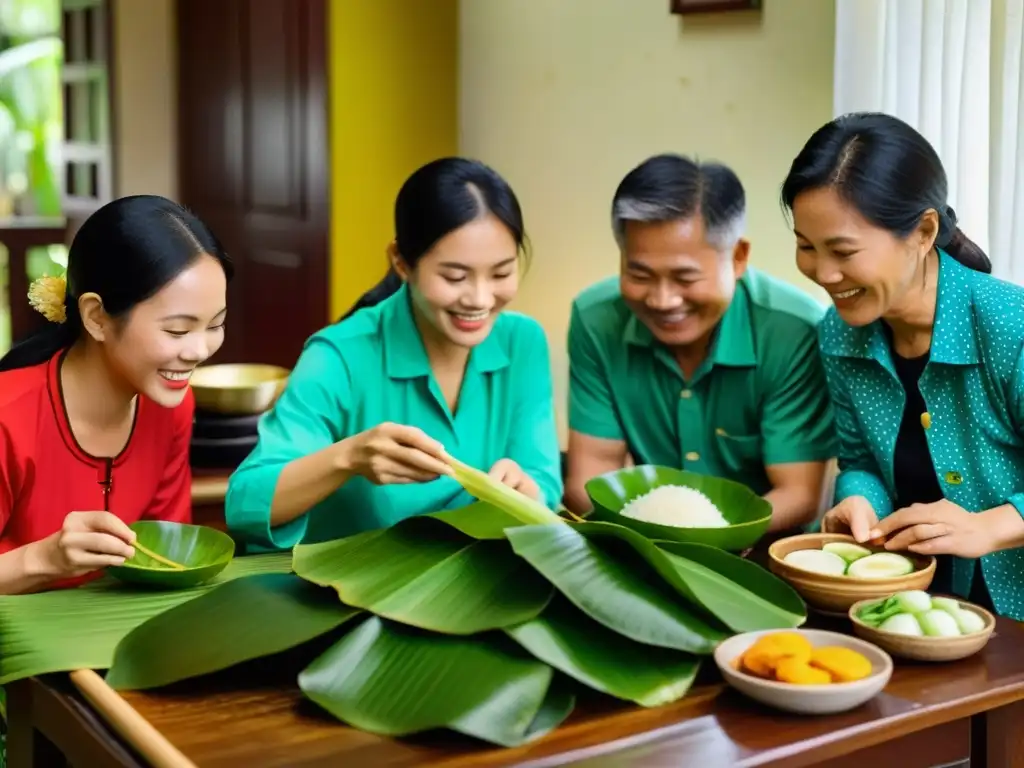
(923, 718)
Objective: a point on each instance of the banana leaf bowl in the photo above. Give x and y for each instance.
(747, 513)
(203, 552)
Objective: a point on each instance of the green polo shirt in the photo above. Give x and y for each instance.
(760, 397)
(973, 387)
(372, 368)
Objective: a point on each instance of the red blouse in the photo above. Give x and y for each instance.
(45, 474)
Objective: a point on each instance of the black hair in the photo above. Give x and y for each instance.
(668, 187)
(888, 172)
(438, 199)
(126, 251)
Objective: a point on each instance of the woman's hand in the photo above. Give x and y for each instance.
(853, 515)
(509, 473)
(394, 453)
(87, 541)
(942, 528)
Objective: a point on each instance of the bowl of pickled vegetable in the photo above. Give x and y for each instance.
(916, 625)
(831, 571)
(807, 671)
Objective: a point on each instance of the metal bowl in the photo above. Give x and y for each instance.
(238, 388)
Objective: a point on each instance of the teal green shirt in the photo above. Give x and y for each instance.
(973, 387)
(372, 368)
(758, 399)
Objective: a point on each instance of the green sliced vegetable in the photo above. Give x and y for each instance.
(393, 681)
(849, 552)
(69, 629)
(881, 565)
(426, 575)
(248, 618)
(947, 604)
(913, 601)
(711, 579)
(902, 624)
(569, 641)
(481, 486)
(816, 561)
(630, 600)
(968, 621)
(748, 514)
(938, 624)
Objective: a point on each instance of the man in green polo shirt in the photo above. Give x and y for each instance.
(689, 358)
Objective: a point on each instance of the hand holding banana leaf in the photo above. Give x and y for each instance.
(395, 453)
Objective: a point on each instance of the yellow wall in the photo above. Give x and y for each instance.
(563, 97)
(394, 80)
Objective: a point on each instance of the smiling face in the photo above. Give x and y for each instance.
(866, 270)
(677, 283)
(461, 284)
(157, 345)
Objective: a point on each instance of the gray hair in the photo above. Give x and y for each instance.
(672, 187)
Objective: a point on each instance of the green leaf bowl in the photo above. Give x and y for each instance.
(748, 514)
(204, 552)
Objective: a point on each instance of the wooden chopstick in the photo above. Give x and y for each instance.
(124, 719)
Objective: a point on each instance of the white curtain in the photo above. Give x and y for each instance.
(1006, 223)
(952, 69)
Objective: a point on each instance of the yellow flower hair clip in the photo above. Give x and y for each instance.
(46, 295)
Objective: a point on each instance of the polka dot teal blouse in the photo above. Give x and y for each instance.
(973, 387)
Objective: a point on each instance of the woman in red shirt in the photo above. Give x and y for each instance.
(95, 409)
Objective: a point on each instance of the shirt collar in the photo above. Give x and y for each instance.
(733, 343)
(404, 354)
(954, 341)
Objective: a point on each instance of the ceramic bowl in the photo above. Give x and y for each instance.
(204, 552)
(747, 513)
(926, 648)
(806, 699)
(835, 594)
(238, 389)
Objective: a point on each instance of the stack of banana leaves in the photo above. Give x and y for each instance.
(487, 620)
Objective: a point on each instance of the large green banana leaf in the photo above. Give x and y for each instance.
(396, 681)
(247, 618)
(428, 575)
(63, 630)
(728, 590)
(628, 598)
(606, 661)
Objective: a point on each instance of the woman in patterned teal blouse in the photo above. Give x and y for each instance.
(924, 353)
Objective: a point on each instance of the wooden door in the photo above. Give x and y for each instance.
(252, 103)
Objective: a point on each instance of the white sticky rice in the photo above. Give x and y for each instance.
(675, 505)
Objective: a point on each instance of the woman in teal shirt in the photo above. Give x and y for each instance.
(924, 354)
(426, 365)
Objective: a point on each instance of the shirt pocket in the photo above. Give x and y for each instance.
(740, 452)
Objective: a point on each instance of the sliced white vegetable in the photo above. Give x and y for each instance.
(968, 621)
(849, 552)
(881, 565)
(816, 561)
(902, 624)
(947, 604)
(938, 624)
(914, 601)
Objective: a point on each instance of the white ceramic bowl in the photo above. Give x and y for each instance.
(806, 699)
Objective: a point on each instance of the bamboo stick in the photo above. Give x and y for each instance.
(159, 558)
(132, 726)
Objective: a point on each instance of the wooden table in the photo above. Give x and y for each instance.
(928, 715)
(209, 487)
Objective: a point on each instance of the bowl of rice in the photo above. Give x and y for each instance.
(666, 504)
